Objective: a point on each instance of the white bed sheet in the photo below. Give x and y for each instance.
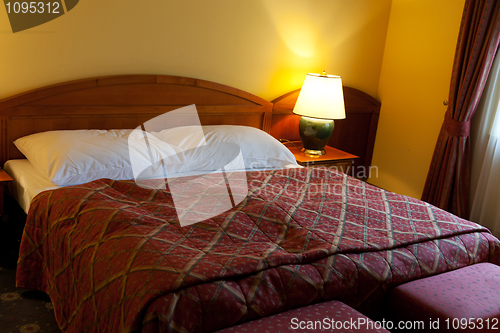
(27, 182)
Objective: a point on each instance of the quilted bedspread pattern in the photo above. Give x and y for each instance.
(113, 257)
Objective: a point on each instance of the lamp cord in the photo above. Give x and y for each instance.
(283, 141)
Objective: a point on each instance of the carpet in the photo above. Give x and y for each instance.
(24, 310)
(21, 310)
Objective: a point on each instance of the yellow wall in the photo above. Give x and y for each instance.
(262, 46)
(400, 51)
(414, 82)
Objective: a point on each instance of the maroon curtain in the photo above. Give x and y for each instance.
(448, 181)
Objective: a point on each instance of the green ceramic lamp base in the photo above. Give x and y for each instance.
(315, 134)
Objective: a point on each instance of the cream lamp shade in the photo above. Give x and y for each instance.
(321, 97)
(321, 100)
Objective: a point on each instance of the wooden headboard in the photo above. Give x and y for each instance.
(127, 101)
(355, 134)
(124, 101)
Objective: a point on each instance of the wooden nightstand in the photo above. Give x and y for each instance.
(334, 158)
(4, 179)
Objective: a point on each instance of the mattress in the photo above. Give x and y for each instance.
(27, 182)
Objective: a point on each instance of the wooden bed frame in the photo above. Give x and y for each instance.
(126, 101)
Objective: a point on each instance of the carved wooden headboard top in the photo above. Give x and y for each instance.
(124, 101)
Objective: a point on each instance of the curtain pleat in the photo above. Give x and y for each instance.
(485, 138)
(448, 181)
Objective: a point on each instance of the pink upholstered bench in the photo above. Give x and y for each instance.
(459, 300)
(331, 316)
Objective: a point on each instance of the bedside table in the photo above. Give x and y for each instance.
(334, 158)
(4, 179)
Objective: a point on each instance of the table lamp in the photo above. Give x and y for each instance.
(321, 100)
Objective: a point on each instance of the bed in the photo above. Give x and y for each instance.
(113, 256)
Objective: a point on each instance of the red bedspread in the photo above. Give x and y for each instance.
(113, 258)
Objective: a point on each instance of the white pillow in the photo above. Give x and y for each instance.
(80, 156)
(234, 147)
